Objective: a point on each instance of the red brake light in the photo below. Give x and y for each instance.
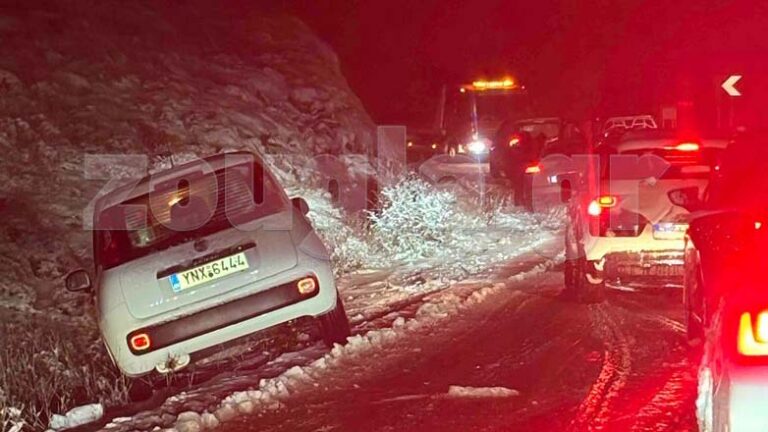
(514, 141)
(687, 147)
(753, 336)
(533, 169)
(140, 342)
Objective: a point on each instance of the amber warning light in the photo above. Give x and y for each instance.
(481, 85)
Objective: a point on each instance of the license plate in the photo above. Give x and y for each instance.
(208, 272)
(669, 230)
(660, 270)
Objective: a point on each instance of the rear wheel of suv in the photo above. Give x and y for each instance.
(693, 325)
(590, 288)
(334, 325)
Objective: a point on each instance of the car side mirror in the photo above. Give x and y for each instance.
(78, 281)
(300, 204)
(687, 198)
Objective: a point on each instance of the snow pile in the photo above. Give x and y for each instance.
(11, 419)
(481, 392)
(77, 416)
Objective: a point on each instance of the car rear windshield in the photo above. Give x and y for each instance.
(186, 209)
(548, 129)
(659, 163)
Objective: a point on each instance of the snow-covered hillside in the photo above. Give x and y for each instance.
(159, 80)
(102, 77)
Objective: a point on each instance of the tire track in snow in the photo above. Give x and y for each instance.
(677, 395)
(592, 413)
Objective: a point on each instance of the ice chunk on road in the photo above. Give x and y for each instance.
(481, 392)
(76, 417)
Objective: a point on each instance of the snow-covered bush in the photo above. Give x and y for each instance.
(417, 221)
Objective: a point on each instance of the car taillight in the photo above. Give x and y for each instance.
(306, 286)
(687, 147)
(753, 335)
(596, 206)
(513, 141)
(533, 169)
(140, 342)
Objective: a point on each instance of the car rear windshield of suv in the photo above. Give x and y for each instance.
(658, 163)
(190, 208)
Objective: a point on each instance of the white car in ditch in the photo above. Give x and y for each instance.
(200, 255)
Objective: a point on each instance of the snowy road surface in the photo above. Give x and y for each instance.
(521, 359)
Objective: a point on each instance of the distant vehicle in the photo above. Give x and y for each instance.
(422, 145)
(521, 146)
(506, 141)
(645, 121)
(726, 257)
(471, 114)
(552, 177)
(203, 254)
(623, 227)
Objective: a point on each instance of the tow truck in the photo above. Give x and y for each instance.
(470, 116)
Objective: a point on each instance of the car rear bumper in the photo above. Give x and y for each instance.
(185, 334)
(597, 248)
(651, 266)
(224, 315)
(742, 400)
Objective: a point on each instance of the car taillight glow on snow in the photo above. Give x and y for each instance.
(140, 342)
(533, 169)
(753, 336)
(306, 286)
(687, 147)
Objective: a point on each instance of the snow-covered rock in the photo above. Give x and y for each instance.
(76, 417)
(455, 391)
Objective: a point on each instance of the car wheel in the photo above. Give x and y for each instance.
(694, 329)
(569, 268)
(693, 325)
(590, 289)
(334, 325)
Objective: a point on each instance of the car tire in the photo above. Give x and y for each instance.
(587, 290)
(334, 325)
(694, 328)
(569, 273)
